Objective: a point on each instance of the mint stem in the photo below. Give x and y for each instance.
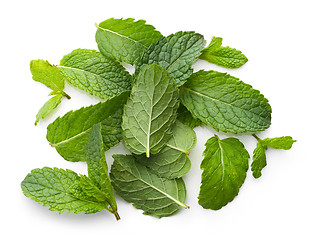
(66, 95)
(257, 138)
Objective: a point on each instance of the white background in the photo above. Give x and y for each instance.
(274, 35)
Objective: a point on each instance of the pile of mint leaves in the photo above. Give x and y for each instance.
(153, 112)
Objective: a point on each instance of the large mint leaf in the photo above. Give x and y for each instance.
(172, 161)
(150, 111)
(225, 103)
(224, 168)
(60, 190)
(97, 167)
(90, 71)
(49, 106)
(69, 134)
(135, 183)
(223, 56)
(176, 53)
(125, 39)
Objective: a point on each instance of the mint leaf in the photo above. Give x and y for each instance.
(259, 155)
(172, 161)
(224, 168)
(225, 103)
(186, 117)
(150, 111)
(125, 39)
(50, 105)
(223, 56)
(42, 71)
(59, 189)
(69, 134)
(259, 159)
(284, 143)
(97, 167)
(94, 73)
(156, 196)
(176, 53)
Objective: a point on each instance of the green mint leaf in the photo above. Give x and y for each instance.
(259, 160)
(284, 143)
(69, 134)
(42, 71)
(59, 189)
(225, 103)
(259, 155)
(50, 105)
(186, 117)
(150, 111)
(223, 56)
(94, 73)
(224, 168)
(176, 53)
(156, 196)
(125, 39)
(172, 161)
(97, 166)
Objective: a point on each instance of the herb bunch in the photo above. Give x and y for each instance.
(153, 112)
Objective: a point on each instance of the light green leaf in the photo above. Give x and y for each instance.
(97, 167)
(223, 56)
(94, 73)
(224, 168)
(284, 143)
(69, 134)
(186, 117)
(259, 160)
(49, 106)
(59, 189)
(225, 103)
(125, 39)
(176, 53)
(156, 196)
(150, 111)
(42, 71)
(172, 161)
(259, 155)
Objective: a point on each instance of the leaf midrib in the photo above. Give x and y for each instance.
(157, 189)
(118, 34)
(225, 103)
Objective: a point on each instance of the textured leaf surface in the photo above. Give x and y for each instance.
(259, 160)
(284, 143)
(176, 53)
(59, 189)
(223, 56)
(150, 111)
(156, 196)
(97, 166)
(224, 168)
(172, 161)
(259, 155)
(125, 39)
(225, 103)
(69, 134)
(49, 106)
(187, 118)
(90, 71)
(42, 71)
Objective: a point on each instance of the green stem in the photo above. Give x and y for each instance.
(257, 138)
(65, 95)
